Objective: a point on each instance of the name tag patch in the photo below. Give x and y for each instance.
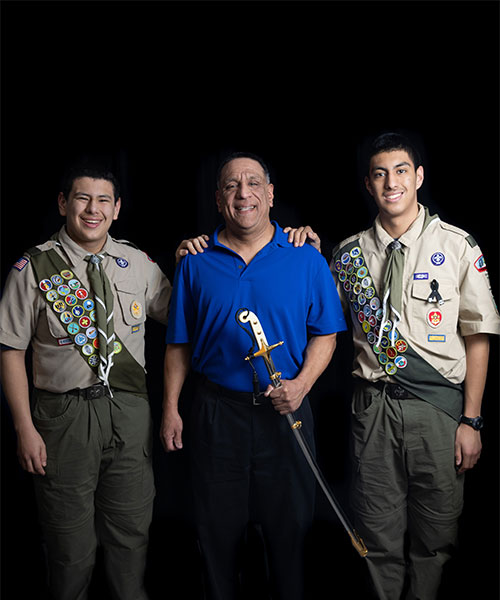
(436, 338)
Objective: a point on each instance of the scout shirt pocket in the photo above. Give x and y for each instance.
(433, 317)
(132, 303)
(57, 329)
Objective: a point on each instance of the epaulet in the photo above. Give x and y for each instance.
(468, 238)
(127, 243)
(347, 242)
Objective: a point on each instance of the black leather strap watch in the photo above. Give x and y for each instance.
(476, 423)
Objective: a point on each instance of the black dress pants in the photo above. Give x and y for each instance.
(248, 467)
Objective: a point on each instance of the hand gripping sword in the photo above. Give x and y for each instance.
(264, 350)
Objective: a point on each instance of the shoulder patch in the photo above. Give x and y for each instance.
(20, 263)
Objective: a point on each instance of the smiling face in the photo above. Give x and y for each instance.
(393, 182)
(245, 196)
(90, 209)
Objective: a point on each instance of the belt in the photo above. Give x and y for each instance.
(240, 397)
(93, 392)
(393, 390)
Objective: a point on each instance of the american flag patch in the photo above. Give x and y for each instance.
(20, 264)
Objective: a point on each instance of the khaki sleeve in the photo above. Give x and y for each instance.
(20, 307)
(158, 292)
(478, 312)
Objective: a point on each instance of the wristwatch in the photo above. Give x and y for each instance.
(476, 423)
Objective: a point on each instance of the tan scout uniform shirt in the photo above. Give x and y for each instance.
(442, 253)
(25, 315)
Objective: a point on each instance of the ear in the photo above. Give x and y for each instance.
(368, 185)
(218, 200)
(118, 205)
(420, 176)
(270, 193)
(61, 202)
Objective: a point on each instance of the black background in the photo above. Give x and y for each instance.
(163, 90)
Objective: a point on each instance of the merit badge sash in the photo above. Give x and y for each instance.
(75, 307)
(393, 352)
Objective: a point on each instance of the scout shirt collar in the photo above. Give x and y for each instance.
(76, 254)
(383, 239)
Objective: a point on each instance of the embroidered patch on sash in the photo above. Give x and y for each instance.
(358, 287)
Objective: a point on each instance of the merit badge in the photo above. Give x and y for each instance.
(437, 259)
(73, 328)
(136, 309)
(400, 362)
(63, 290)
(390, 368)
(66, 274)
(59, 306)
(77, 310)
(88, 305)
(56, 279)
(45, 285)
(480, 264)
(87, 349)
(80, 339)
(434, 317)
(84, 322)
(81, 293)
(52, 295)
(70, 300)
(66, 317)
(20, 264)
(355, 252)
(401, 346)
(74, 284)
(121, 262)
(117, 347)
(91, 333)
(93, 360)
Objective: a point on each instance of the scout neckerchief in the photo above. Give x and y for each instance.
(104, 315)
(77, 312)
(393, 281)
(395, 355)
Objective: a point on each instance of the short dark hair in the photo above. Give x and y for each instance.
(87, 170)
(388, 142)
(235, 155)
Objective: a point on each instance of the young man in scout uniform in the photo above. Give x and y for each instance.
(81, 301)
(421, 307)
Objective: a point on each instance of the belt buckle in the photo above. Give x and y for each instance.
(399, 392)
(95, 391)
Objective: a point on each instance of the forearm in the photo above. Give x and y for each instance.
(177, 363)
(318, 355)
(176, 369)
(16, 388)
(477, 352)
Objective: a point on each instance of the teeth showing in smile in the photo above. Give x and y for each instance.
(245, 208)
(392, 197)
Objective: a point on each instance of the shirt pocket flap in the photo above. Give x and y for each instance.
(422, 290)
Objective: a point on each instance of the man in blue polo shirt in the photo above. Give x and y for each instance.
(246, 464)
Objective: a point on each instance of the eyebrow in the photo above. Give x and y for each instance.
(401, 164)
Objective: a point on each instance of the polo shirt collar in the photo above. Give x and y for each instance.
(279, 238)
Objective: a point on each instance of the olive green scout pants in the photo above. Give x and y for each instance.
(98, 489)
(405, 482)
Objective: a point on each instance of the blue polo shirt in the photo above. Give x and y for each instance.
(291, 290)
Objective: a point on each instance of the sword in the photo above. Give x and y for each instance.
(245, 316)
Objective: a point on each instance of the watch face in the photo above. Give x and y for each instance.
(478, 423)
